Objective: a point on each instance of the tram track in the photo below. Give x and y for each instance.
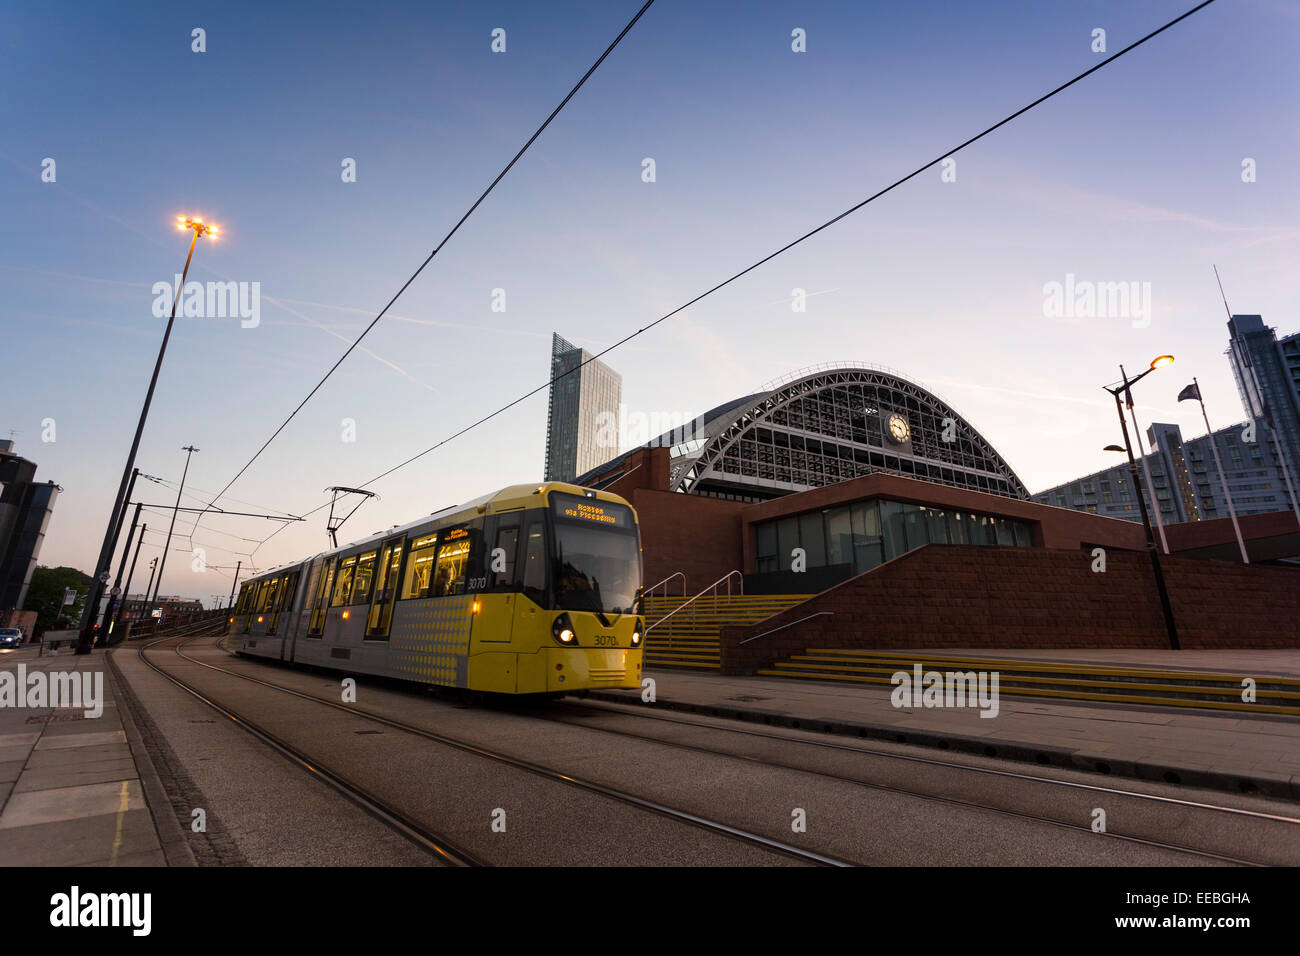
(1110, 792)
(1102, 792)
(436, 845)
(388, 812)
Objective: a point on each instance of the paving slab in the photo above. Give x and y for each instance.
(71, 792)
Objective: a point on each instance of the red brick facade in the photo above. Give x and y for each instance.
(969, 597)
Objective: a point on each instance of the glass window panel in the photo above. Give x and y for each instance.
(812, 538)
(936, 526)
(453, 555)
(343, 582)
(787, 535)
(364, 576)
(1024, 538)
(892, 533)
(914, 527)
(839, 536)
(1006, 535)
(958, 528)
(501, 563)
(765, 539)
(535, 562)
(419, 572)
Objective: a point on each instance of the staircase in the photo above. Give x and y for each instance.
(1055, 680)
(690, 638)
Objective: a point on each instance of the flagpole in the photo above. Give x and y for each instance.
(1223, 479)
(1146, 472)
(1286, 472)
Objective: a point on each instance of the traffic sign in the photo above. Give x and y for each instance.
(115, 592)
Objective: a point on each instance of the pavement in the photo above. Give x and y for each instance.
(76, 784)
(1234, 753)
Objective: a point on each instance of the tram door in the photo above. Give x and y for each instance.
(283, 600)
(384, 595)
(500, 561)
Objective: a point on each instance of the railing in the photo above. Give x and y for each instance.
(694, 602)
(784, 626)
(676, 574)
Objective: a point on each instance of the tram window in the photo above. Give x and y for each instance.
(502, 554)
(534, 576)
(343, 582)
(453, 556)
(419, 572)
(365, 575)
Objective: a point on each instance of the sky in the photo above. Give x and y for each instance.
(1134, 175)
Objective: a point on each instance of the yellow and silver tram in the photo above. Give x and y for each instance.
(531, 590)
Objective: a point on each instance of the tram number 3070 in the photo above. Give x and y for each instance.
(606, 640)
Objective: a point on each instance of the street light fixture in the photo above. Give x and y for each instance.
(1124, 387)
(87, 638)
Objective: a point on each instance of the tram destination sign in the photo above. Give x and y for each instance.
(591, 511)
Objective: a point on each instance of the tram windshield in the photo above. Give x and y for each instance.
(597, 559)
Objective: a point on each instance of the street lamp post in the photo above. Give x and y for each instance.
(1124, 388)
(86, 640)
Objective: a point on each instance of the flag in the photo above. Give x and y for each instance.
(1191, 391)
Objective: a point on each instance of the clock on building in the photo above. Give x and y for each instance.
(897, 429)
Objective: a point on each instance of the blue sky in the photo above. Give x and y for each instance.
(1133, 175)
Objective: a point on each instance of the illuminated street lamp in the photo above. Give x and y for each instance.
(100, 578)
(1124, 387)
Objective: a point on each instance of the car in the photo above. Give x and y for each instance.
(10, 637)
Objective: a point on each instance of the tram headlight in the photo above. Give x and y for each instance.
(562, 630)
(636, 634)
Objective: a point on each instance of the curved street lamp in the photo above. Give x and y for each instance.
(1125, 386)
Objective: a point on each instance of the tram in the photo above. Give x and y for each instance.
(534, 589)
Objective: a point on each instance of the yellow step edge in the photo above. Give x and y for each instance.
(997, 663)
(1004, 680)
(1065, 695)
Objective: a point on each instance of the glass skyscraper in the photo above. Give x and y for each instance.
(1267, 371)
(583, 415)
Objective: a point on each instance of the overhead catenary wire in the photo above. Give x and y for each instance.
(790, 245)
(769, 257)
(454, 229)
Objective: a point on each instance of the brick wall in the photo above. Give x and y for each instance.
(697, 535)
(970, 597)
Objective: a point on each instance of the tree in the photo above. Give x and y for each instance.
(45, 596)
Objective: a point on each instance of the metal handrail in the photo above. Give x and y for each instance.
(784, 626)
(650, 590)
(691, 603)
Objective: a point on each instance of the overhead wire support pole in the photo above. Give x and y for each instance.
(189, 452)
